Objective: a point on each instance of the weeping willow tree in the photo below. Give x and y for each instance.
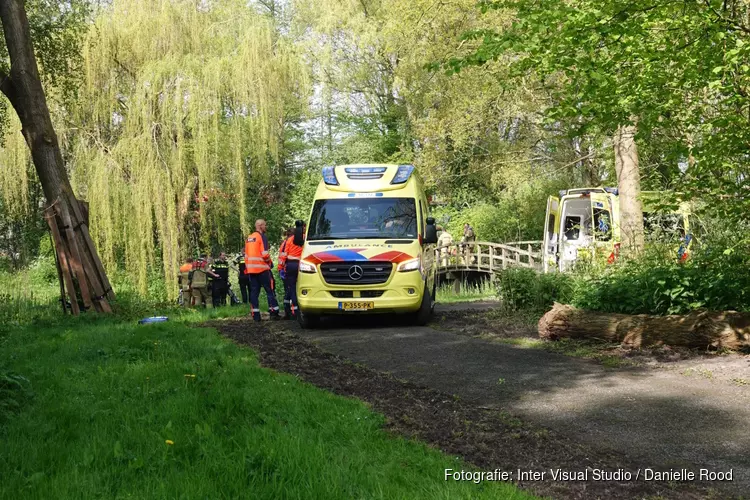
(182, 112)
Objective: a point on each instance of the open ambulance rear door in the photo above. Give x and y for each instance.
(603, 226)
(551, 234)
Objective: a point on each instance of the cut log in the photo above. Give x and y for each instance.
(730, 329)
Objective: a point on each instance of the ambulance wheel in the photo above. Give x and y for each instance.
(423, 316)
(307, 321)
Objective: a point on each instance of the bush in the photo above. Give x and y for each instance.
(714, 278)
(526, 289)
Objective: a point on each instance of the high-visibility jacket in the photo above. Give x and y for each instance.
(186, 268)
(257, 259)
(292, 252)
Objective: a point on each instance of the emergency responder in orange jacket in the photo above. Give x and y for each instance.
(258, 265)
(282, 272)
(290, 264)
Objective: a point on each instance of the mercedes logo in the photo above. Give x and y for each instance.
(356, 273)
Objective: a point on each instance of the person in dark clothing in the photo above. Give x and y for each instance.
(282, 272)
(289, 262)
(220, 284)
(243, 280)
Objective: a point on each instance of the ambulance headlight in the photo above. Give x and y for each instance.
(409, 265)
(306, 267)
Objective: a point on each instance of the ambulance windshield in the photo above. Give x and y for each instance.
(355, 218)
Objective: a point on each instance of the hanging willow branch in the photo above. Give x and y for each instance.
(182, 102)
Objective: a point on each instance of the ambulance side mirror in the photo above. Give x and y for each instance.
(430, 232)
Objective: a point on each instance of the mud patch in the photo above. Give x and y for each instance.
(487, 438)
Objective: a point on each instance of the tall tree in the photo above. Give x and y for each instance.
(22, 85)
(629, 183)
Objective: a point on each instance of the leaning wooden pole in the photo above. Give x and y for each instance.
(62, 257)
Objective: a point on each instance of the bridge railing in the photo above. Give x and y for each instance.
(488, 257)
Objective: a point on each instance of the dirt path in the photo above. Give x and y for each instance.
(657, 418)
(633, 417)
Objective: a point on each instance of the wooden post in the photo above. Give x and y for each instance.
(504, 258)
(74, 257)
(60, 279)
(531, 257)
(61, 250)
(103, 282)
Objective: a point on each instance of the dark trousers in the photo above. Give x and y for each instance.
(257, 281)
(244, 283)
(290, 286)
(219, 290)
(287, 310)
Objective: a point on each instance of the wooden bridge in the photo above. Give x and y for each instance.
(488, 258)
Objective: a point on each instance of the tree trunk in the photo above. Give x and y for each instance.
(629, 186)
(23, 87)
(729, 329)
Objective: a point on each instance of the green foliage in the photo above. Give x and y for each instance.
(716, 277)
(56, 30)
(303, 188)
(526, 289)
(656, 283)
(678, 69)
(516, 215)
(170, 410)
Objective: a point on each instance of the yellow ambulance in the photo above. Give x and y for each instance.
(584, 224)
(369, 245)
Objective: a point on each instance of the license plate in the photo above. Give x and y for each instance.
(356, 306)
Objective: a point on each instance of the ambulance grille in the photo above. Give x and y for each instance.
(344, 273)
(364, 176)
(364, 294)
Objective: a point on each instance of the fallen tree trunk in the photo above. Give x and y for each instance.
(704, 329)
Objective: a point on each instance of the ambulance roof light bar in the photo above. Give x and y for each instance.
(588, 191)
(402, 174)
(329, 176)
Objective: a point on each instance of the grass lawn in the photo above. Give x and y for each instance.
(113, 409)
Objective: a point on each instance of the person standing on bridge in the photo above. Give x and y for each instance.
(258, 265)
(467, 242)
(444, 241)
